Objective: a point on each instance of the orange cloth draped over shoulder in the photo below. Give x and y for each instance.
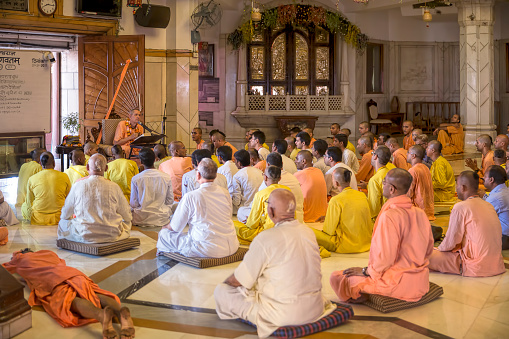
(54, 286)
(261, 165)
(314, 189)
(452, 140)
(176, 167)
(125, 130)
(233, 149)
(421, 192)
(399, 158)
(366, 170)
(408, 141)
(4, 235)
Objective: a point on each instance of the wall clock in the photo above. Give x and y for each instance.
(47, 7)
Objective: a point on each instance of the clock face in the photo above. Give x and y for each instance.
(47, 7)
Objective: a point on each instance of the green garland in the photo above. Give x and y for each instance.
(301, 15)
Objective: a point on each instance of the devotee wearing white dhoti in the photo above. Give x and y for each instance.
(229, 169)
(6, 212)
(280, 146)
(101, 209)
(207, 211)
(279, 282)
(245, 184)
(151, 193)
(333, 158)
(189, 182)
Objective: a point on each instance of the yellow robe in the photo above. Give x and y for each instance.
(26, 171)
(348, 226)
(294, 153)
(444, 184)
(375, 189)
(258, 219)
(159, 162)
(351, 147)
(121, 171)
(87, 158)
(46, 193)
(76, 172)
(246, 146)
(216, 160)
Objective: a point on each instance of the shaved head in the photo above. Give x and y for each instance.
(485, 139)
(392, 142)
(47, 160)
(418, 150)
(91, 148)
(467, 184)
(366, 140)
(399, 178)
(306, 155)
(78, 157)
(436, 145)
(177, 149)
(281, 205)
(36, 155)
(501, 141)
(160, 151)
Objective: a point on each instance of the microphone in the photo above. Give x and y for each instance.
(148, 129)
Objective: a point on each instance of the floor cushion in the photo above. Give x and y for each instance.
(99, 249)
(207, 262)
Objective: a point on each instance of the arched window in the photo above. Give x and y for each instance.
(297, 61)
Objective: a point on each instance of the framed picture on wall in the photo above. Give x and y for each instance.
(205, 60)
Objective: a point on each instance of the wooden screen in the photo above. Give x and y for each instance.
(101, 61)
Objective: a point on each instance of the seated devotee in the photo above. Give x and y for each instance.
(422, 140)
(310, 132)
(210, 147)
(294, 131)
(416, 132)
(280, 146)
(68, 295)
(347, 132)
(6, 213)
(400, 250)
(408, 141)
(421, 192)
(366, 170)
(451, 136)
(121, 170)
(196, 135)
(330, 141)
(399, 155)
(256, 142)
(333, 158)
(318, 150)
(249, 134)
(90, 149)
(95, 211)
(255, 161)
(279, 282)
(289, 180)
(494, 181)
(189, 182)
(382, 139)
(292, 148)
(258, 219)
(483, 145)
(211, 231)
(214, 131)
(228, 168)
(177, 166)
(219, 139)
(161, 155)
(499, 157)
(245, 184)
(349, 157)
(347, 227)
(472, 246)
(442, 174)
(46, 192)
(4, 236)
(127, 131)
(381, 164)
(151, 193)
(364, 127)
(314, 188)
(78, 169)
(501, 142)
(25, 172)
(335, 129)
(303, 141)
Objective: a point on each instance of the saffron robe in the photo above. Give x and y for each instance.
(408, 141)
(487, 161)
(25, 172)
(176, 167)
(366, 170)
(399, 158)
(314, 190)
(123, 131)
(421, 191)
(232, 147)
(159, 162)
(261, 165)
(444, 183)
(453, 140)
(76, 172)
(200, 144)
(121, 171)
(4, 235)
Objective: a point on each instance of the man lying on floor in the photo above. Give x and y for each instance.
(279, 282)
(68, 295)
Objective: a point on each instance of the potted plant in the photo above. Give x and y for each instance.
(71, 122)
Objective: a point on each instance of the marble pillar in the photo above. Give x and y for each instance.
(477, 92)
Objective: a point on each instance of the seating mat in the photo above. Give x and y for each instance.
(207, 262)
(387, 304)
(340, 315)
(99, 249)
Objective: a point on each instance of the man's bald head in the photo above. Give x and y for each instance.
(418, 151)
(281, 205)
(36, 154)
(91, 148)
(435, 145)
(392, 142)
(47, 160)
(97, 164)
(383, 155)
(306, 156)
(78, 157)
(342, 176)
(501, 142)
(177, 149)
(400, 180)
(367, 141)
(160, 151)
(484, 139)
(467, 184)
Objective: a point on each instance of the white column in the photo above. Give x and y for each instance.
(241, 79)
(345, 83)
(477, 92)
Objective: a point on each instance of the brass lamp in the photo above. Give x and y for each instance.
(426, 17)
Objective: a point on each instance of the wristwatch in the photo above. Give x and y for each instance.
(364, 271)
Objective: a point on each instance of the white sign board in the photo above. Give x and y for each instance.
(25, 92)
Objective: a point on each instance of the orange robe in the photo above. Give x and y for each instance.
(200, 145)
(314, 189)
(312, 142)
(123, 131)
(473, 243)
(487, 161)
(408, 141)
(261, 165)
(4, 235)
(54, 286)
(176, 167)
(452, 141)
(421, 191)
(399, 256)
(366, 170)
(233, 149)
(399, 158)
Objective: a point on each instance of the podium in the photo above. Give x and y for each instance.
(145, 141)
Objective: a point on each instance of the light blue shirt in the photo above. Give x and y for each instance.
(499, 198)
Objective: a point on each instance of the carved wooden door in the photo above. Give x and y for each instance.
(101, 61)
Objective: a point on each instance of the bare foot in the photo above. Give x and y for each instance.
(126, 324)
(108, 330)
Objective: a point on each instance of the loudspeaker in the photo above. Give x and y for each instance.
(153, 16)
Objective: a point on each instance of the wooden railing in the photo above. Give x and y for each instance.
(294, 103)
(428, 115)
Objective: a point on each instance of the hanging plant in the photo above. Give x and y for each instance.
(269, 18)
(286, 14)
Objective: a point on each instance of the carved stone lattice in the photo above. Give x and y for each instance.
(256, 103)
(317, 103)
(277, 103)
(335, 103)
(297, 103)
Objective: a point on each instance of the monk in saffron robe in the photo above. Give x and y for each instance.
(313, 187)
(483, 145)
(421, 192)
(408, 141)
(380, 162)
(78, 169)
(4, 235)
(442, 174)
(399, 155)
(25, 172)
(400, 249)
(177, 166)
(472, 246)
(219, 139)
(451, 136)
(258, 219)
(366, 169)
(196, 135)
(121, 171)
(127, 131)
(68, 295)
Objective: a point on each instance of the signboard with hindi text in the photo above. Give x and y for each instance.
(25, 92)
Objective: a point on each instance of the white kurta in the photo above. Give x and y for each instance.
(6, 212)
(329, 178)
(245, 185)
(320, 164)
(289, 164)
(229, 169)
(151, 198)
(290, 181)
(101, 209)
(207, 211)
(350, 159)
(262, 153)
(190, 184)
(281, 281)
